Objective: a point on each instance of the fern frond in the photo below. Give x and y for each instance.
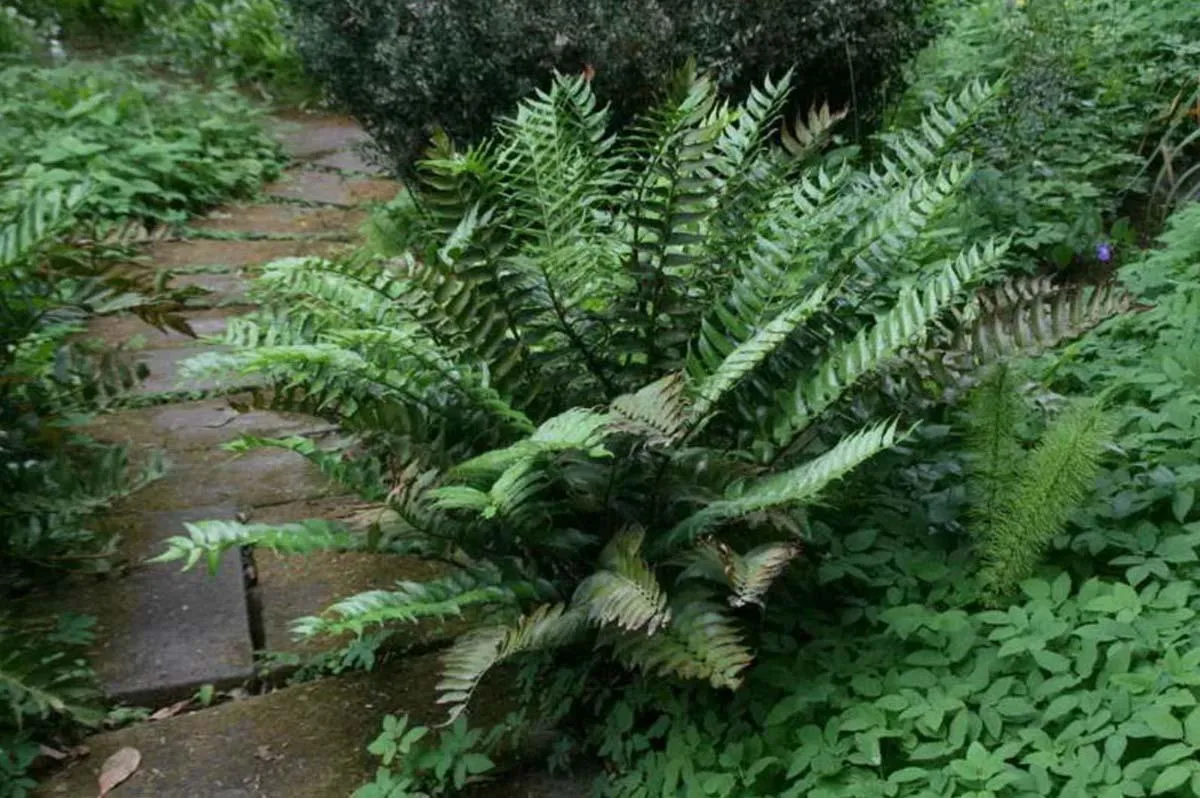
(657, 412)
(41, 216)
(43, 674)
(994, 418)
(211, 539)
(364, 476)
(799, 485)
(624, 591)
(409, 602)
(749, 576)
(805, 136)
(752, 352)
(1026, 315)
(477, 652)
(576, 429)
(902, 327)
(1055, 477)
(700, 642)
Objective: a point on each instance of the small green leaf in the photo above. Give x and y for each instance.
(1171, 778)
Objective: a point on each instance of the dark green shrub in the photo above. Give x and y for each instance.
(405, 68)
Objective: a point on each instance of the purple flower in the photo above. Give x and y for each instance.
(1104, 252)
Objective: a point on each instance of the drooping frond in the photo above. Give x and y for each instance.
(475, 653)
(657, 412)
(624, 590)
(1026, 315)
(211, 539)
(409, 602)
(799, 485)
(700, 642)
(1054, 478)
(903, 326)
(749, 576)
(364, 476)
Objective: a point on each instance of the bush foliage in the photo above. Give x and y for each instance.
(404, 69)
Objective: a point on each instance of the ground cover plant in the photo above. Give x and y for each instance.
(404, 70)
(1091, 138)
(151, 151)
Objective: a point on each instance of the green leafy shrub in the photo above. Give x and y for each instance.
(404, 69)
(1093, 88)
(602, 383)
(150, 151)
(249, 40)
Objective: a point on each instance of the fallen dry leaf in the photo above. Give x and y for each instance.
(117, 768)
(170, 711)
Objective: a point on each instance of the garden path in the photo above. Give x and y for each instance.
(163, 635)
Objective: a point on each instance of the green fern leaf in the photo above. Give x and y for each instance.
(797, 486)
(211, 539)
(477, 652)
(700, 642)
(624, 591)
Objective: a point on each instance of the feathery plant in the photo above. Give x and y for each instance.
(607, 372)
(1023, 497)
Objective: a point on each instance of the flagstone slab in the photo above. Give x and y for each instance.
(305, 741)
(243, 481)
(329, 188)
(132, 331)
(166, 373)
(204, 424)
(306, 136)
(220, 252)
(283, 220)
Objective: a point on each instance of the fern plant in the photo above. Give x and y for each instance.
(1023, 498)
(606, 373)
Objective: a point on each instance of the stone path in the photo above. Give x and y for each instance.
(162, 634)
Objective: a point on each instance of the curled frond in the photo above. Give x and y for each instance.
(748, 576)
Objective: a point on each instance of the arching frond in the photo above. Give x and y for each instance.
(624, 590)
(904, 326)
(797, 486)
(477, 652)
(364, 476)
(409, 602)
(211, 539)
(700, 642)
